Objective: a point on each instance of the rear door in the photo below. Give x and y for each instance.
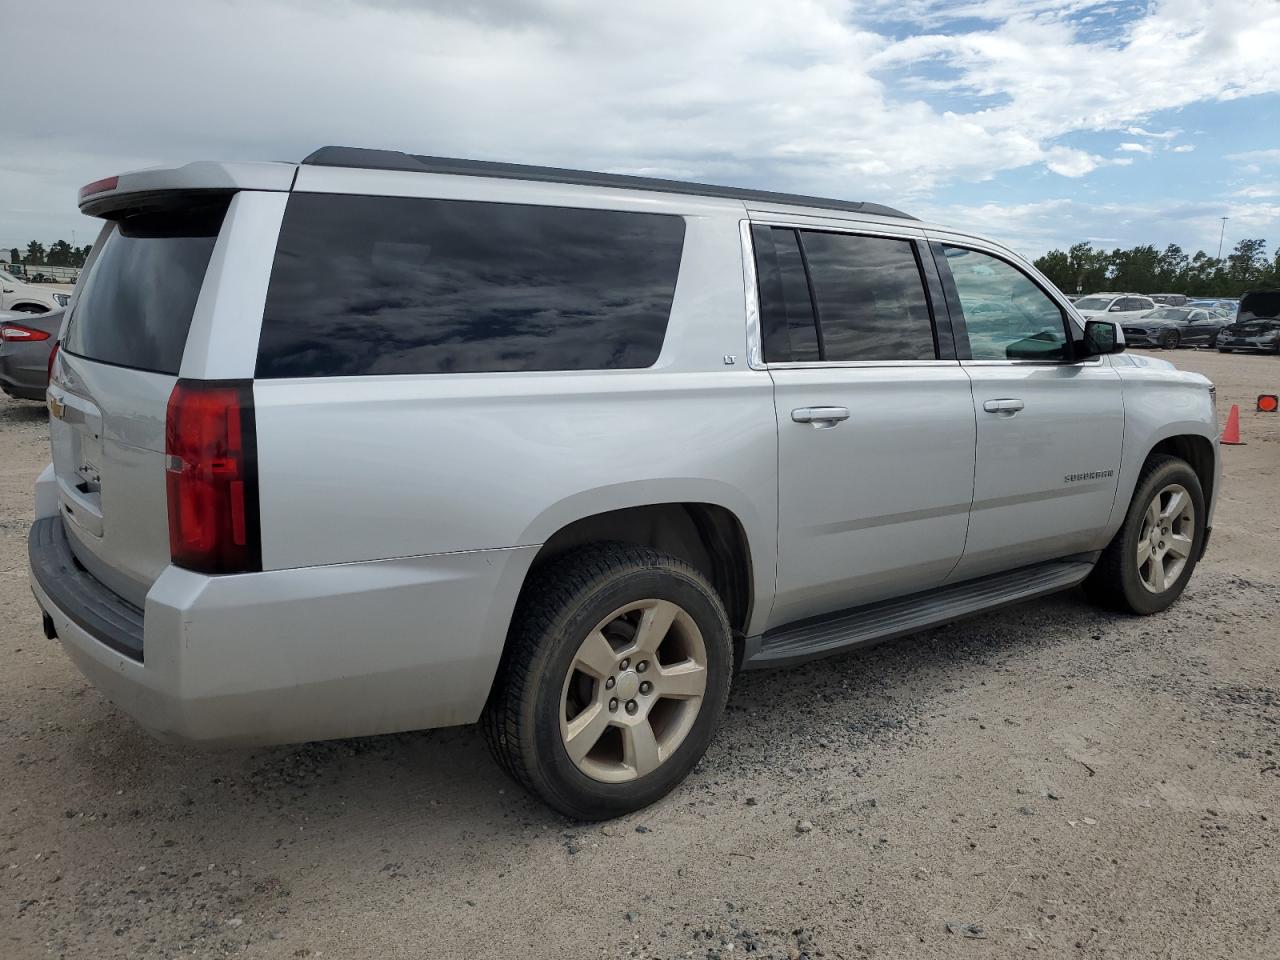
(1049, 430)
(875, 418)
(120, 356)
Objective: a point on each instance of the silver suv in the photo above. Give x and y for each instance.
(380, 442)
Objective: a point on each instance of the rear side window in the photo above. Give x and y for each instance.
(870, 296)
(786, 309)
(384, 285)
(137, 301)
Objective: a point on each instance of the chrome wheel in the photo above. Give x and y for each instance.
(1166, 538)
(633, 691)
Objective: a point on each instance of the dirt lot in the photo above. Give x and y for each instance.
(1048, 778)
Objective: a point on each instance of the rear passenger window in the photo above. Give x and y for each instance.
(786, 310)
(870, 297)
(384, 285)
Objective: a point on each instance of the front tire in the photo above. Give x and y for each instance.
(1149, 561)
(616, 673)
(1171, 340)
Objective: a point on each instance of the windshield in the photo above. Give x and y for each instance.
(1167, 313)
(1093, 303)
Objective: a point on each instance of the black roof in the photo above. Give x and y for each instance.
(366, 159)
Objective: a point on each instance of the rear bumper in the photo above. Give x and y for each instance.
(306, 654)
(22, 376)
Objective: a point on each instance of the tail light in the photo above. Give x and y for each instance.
(211, 475)
(53, 355)
(17, 333)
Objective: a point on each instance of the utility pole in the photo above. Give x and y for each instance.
(1222, 234)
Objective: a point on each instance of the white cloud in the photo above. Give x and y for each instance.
(1258, 191)
(1134, 148)
(1154, 135)
(1071, 163)
(1060, 222)
(1256, 157)
(1184, 148)
(810, 95)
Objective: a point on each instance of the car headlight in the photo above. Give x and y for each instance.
(62, 298)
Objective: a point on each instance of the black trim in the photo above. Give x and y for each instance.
(813, 294)
(101, 613)
(944, 335)
(365, 159)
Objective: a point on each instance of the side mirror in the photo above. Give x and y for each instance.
(1115, 308)
(1100, 336)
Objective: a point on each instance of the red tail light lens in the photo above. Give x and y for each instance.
(53, 355)
(212, 477)
(99, 186)
(17, 333)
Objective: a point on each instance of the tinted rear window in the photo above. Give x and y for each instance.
(137, 301)
(870, 297)
(385, 285)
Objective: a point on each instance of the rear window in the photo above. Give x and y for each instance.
(384, 285)
(136, 303)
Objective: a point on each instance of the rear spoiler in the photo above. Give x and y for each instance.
(111, 196)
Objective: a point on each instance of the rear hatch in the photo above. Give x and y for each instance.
(117, 365)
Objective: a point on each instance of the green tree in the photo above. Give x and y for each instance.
(1137, 269)
(1056, 265)
(1172, 269)
(1247, 262)
(15, 256)
(59, 254)
(35, 254)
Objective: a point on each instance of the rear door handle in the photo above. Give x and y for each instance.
(1008, 406)
(820, 416)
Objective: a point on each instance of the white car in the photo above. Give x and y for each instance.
(23, 297)
(1118, 307)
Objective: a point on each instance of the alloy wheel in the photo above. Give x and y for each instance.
(1166, 538)
(633, 691)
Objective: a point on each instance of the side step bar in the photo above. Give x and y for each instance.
(887, 619)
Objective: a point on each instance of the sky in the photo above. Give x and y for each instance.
(1038, 122)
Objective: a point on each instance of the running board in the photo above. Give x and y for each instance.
(895, 618)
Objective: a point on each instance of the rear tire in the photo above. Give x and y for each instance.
(1149, 561)
(578, 714)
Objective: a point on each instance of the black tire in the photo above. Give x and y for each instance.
(1225, 350)
(28, 308)
(1115, 582)
(1170, 340)
(559, 606)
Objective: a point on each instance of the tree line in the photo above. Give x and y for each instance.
(59, 254)
(1144, 269)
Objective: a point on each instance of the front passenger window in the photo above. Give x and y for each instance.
(1006, 315)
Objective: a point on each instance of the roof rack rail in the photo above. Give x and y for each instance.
(367, 159)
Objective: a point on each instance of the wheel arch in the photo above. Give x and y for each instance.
(709, 536)
(1197, 450)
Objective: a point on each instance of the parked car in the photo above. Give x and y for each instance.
(1170, 299)
(436, 441)
(23, 297)
(26, 344)
(1258, 326)
(1171, 327)
(1227, 308)
(1118, 307)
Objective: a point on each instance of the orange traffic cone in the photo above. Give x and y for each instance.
(1231, 435)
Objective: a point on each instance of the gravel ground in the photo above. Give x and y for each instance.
(1047, 778)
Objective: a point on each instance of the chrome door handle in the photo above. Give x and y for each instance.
(1008, 407)
(820, 416)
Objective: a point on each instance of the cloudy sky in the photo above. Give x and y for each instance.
(1041, 122)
